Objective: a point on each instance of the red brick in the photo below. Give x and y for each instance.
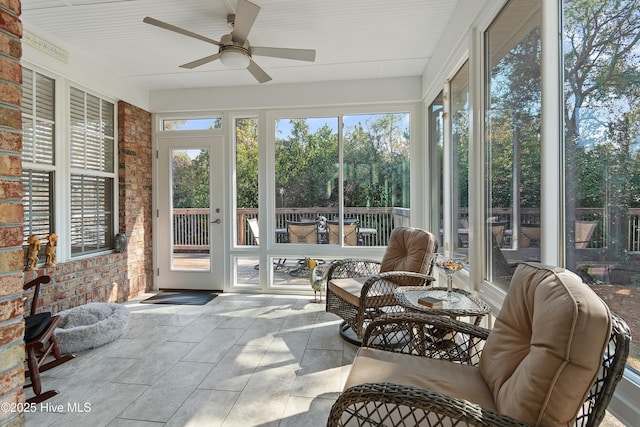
(11, 213)
(5, 416)
(10, 165)
(11, 261)
(10, 141)
(14, 6)
(10, 117)
(10, 70)
(11, 236)
(11, 379)
(10, 46)
(10, 23)
(12, 332)
(11, 309)
(10, 285)
(10, 190)
(10, 93)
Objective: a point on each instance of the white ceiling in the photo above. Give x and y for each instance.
(353, 39)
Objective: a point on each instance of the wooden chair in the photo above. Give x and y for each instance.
(359, 290)
(350, 233)
(40, 343)
(553, 358)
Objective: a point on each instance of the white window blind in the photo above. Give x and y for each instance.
(92, 178)
(38, 149)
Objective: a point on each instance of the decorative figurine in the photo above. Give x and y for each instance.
(32, 253)
(50, 250)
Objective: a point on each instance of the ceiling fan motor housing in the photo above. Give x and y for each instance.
(233, 54)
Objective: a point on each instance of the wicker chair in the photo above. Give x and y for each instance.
(359, 290)
(554, 357)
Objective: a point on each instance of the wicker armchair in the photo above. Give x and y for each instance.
(359, 290)
(403, 375)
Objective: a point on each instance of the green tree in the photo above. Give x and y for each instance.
(247, 163)
(602, 83)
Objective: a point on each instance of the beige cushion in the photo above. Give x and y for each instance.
(349, 289)
(452, 379)
(408, 249)
(546, 346)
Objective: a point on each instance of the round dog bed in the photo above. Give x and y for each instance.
(90, 325)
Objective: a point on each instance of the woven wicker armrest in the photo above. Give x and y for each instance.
(386, 404)
(353, 267)
(379, 289)
(427, 335)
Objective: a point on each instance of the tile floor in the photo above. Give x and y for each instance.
(241, 360)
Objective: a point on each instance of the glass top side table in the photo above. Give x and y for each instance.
(467, 305)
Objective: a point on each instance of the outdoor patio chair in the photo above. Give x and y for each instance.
(305, 232)
(40, 343)
(350, 233)
(554, 356)
(359, 290)
(255, 230)
(584, 231)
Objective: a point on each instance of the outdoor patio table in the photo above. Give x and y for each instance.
(466, 305)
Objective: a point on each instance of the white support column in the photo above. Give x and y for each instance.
(447, 172)
(552, 175)
(477, 202)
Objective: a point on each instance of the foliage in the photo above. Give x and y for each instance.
(375, 164)
(190, 180)
(247, 163)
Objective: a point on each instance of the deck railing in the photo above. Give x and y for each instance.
(191, 226)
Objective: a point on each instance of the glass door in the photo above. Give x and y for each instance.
(190, 213)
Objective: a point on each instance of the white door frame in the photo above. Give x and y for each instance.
(198, 279)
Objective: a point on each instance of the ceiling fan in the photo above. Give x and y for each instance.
(234, 50)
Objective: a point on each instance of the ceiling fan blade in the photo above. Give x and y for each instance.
(201, 61)
(258, 72)
(278, 52)
(246, 13)
(153, 21)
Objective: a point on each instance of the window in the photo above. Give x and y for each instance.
(375, 176)
(370, 155)
(38, 150)
(435, 120)
(601, 43)
(306, 184)
(192, 124)
(460, 157)
(512, 139)
(92, 158)
(246, 191)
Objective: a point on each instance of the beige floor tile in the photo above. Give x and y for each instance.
(233, 371)
(161, 401)
(204, 408)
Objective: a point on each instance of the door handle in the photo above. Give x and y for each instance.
(217, 221)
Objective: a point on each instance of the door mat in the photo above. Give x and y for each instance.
(181, 298)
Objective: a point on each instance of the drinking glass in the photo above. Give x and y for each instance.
(451, 264)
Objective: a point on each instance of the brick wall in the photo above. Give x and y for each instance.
(135, 157)
(111, 277)
(11, 214)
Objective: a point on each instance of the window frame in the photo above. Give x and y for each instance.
(61, 167)
(92, 173)
(28, 164)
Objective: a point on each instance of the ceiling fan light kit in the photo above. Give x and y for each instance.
(234, 51)
(234, 57)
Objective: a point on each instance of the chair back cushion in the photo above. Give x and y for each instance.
(409, 249)
(546, 346)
